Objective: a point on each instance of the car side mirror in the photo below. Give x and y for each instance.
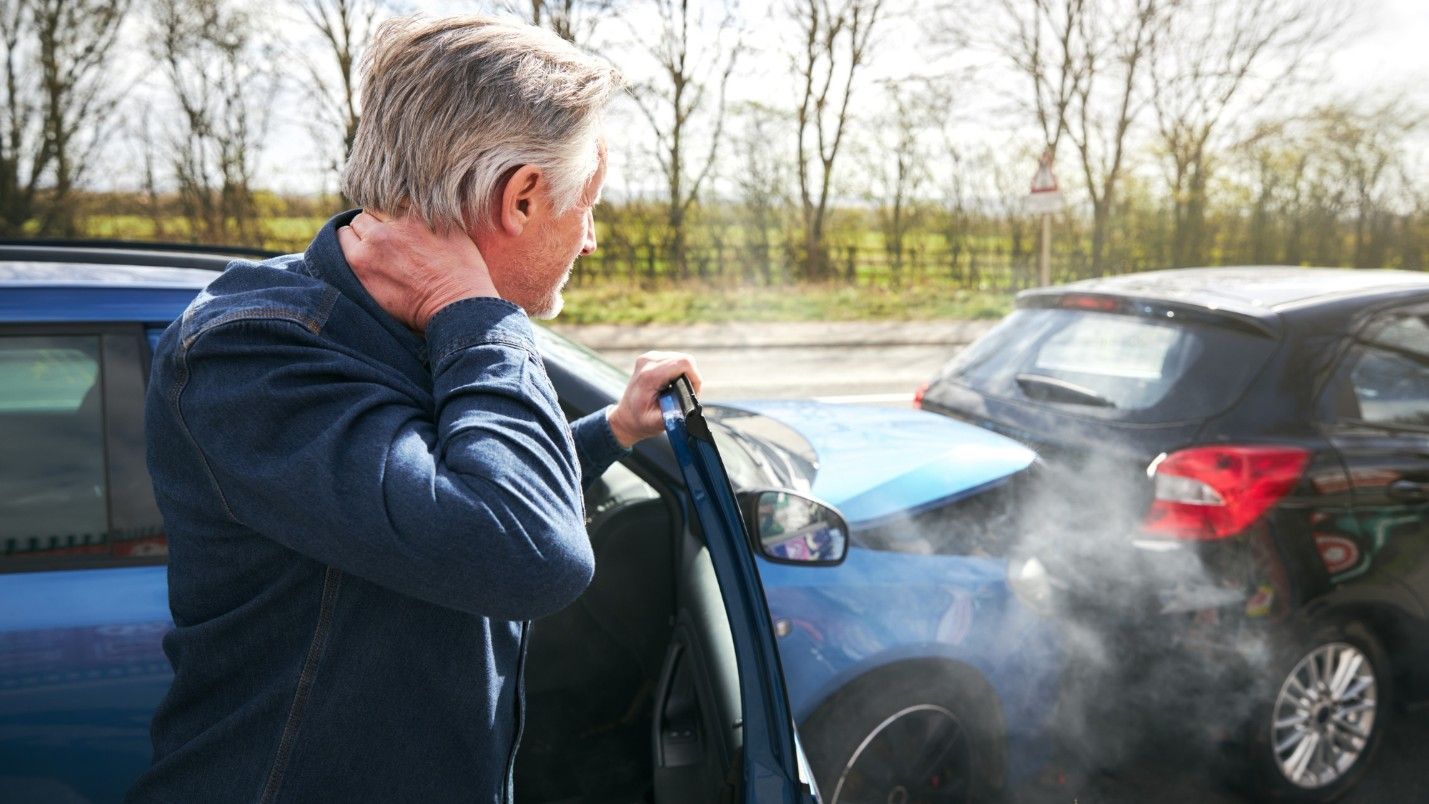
(790, 528)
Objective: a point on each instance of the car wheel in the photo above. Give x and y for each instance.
(896, 743)
(1329, 703)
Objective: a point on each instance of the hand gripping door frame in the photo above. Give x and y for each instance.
(771, 770)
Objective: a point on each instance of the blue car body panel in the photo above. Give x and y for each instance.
(881, 463)
(881, 607)
(82, 669)
(42, 304)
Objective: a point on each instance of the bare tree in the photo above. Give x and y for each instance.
(902, 170)
(1114, 58)
(761, 176)
(1085, 61)
(59, 96)
(572, 20)
(1218, 57)
(1047, 41)
(1366, 148)
(953, 181)
(1274, 171)
(1008, 185)
(684, 103)
(836, 36)
(344, 26)
(211, 54)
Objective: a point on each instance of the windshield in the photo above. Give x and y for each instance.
(582, 361)
(760, 452)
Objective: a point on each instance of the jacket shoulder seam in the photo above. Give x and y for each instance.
(176, 403)
(311, 320)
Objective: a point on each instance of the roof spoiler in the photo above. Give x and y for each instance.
(1258, 322)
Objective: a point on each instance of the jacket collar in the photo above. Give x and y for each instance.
(324, 260)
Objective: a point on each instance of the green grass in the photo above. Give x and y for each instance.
(280, 233)
(616, 300)
(610, 303)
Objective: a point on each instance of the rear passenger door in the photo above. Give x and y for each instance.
(1381, 398)
(83, 593)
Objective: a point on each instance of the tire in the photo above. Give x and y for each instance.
(1323, 715)
(890, 740)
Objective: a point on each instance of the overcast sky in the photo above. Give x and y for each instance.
(1387, 53)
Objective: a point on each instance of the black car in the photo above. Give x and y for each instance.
(1234, 510)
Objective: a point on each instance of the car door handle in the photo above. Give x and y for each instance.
(1408, 491)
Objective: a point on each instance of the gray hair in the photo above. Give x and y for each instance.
(450, 106)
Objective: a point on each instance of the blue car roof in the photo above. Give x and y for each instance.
(72, 274)
(74, 290)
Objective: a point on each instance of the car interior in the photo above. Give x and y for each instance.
(51, 432)
(632, 691)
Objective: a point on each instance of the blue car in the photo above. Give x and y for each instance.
(842, 568)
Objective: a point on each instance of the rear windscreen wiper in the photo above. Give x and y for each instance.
(1051, 389)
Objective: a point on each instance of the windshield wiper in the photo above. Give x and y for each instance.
(1051, 389)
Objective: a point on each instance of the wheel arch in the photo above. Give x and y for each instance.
(1391, 625)
(946, 675)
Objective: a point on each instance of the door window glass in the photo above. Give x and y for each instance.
(1391, 388)
(52, 480)
(1406, 333)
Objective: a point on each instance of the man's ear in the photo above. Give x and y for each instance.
(518, 199)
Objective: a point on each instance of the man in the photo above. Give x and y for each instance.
(367, 482)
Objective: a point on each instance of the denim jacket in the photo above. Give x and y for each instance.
(360, 522)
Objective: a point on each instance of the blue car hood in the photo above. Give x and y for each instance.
(875, 463)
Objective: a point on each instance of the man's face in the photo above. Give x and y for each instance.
(555, 241)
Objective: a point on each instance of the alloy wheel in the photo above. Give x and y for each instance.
(1324, 715)
(918, 755)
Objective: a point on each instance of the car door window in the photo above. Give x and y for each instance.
(52, 476)
(1392, 390)
(1390, 378)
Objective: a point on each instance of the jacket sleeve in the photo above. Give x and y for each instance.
(596, 445)
(469, 498)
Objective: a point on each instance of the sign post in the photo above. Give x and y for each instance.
(1044, 200)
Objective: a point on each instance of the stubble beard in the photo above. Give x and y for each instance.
(554, 301)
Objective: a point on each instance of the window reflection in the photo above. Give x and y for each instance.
(52, 481)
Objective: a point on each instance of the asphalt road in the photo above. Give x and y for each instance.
(1169, 777)
(876, 363)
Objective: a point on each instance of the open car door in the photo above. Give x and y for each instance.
(770, 761)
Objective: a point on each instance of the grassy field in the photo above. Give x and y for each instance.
(610, 303)
(281, 233)
(605, 295)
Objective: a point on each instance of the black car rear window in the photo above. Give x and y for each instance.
(1113, 365)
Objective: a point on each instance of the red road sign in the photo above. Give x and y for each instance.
(1045, 181)
(1045, 198)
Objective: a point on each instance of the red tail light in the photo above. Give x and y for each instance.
(1079, 302)
(1206, 493)
(918, 394)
